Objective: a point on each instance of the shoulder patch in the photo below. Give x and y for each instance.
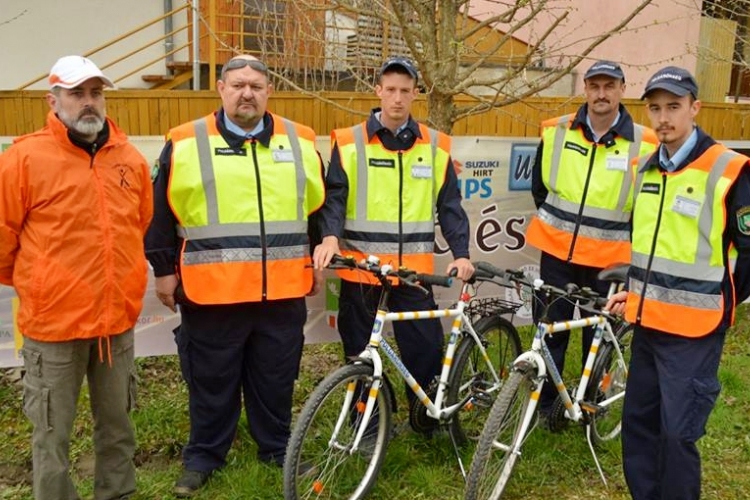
(154, 171)
(743, 220)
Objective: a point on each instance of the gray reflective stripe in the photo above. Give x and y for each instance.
(379, 247)
(433, 144)
(241, 229)
(678, 297)
(588, 231)
(299, 166)
(206, 161)
(560, 131)
(572, 208)
(633, 152)
(223, 255)
(678, 269)
(359, 147)
(703, 252)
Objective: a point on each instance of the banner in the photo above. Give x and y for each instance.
(494, 177)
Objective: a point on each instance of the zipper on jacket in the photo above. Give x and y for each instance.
(653, 248)
(263, 251)
(583, 203)
(92, 153)
(400, 207)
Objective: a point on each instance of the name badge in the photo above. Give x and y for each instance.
(282, 155)
(686, 206)
(619, 163)
(421, 171)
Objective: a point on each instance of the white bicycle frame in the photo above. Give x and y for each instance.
(371, 353)
(540, 358)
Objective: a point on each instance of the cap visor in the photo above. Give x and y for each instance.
(106, 81)
(669, 87)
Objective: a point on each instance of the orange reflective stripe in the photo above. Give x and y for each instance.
(589, 251)
(235, 282)
(688, 321)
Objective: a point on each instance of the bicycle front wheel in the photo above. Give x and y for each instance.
(471, 377)
(320, 462)
(500, 442)
(608, 379)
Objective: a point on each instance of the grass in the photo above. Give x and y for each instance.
(553, 466)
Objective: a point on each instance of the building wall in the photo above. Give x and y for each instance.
(35, 33)
(664, 33)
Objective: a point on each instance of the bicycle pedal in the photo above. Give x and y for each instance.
(589, 407)
(481, 398)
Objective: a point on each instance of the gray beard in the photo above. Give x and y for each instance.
(89, 125)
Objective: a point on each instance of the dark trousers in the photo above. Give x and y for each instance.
(228, 352)
(559, 273)
(672, 389)
(420, 342)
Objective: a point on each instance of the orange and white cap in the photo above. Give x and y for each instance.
(71, 71)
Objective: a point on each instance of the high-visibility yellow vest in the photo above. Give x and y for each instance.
(390, 209)
(585, 217)
(678, 263)
(243, 213)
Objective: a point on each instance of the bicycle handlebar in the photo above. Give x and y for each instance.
(382, 273)
(431, 279)
(587, 298)
(508, 276)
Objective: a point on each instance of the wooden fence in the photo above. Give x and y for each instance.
(141, 112)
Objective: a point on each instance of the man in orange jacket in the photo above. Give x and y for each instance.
(75, 203)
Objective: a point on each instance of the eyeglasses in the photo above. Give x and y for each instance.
(239, 63)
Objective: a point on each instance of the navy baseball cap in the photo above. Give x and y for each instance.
(402, 62)
(677, 81)
(606, 68)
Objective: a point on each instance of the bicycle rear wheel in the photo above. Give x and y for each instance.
(319, 462)
(500, 442)
(471, 376)
(608, 379)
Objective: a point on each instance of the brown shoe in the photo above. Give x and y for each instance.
(190, 481)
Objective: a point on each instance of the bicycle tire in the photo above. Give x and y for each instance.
(315, 467)
(608, 379)
(492, 465)
(470, 373)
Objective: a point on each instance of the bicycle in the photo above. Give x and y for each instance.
(596, 401)
(339, 440)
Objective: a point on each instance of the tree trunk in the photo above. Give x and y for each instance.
(440, 114)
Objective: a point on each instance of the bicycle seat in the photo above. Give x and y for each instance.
(614, 272)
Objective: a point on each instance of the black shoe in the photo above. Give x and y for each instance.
(190, 481)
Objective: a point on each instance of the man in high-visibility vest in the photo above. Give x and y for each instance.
(690, 266)
(229, 243)
(582, 188)
(387, 179)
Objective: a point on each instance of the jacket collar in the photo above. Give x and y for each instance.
(237, 141)
(702, 144)
(375, 127)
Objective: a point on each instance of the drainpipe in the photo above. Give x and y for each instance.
(169, 40)
(196, 46)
